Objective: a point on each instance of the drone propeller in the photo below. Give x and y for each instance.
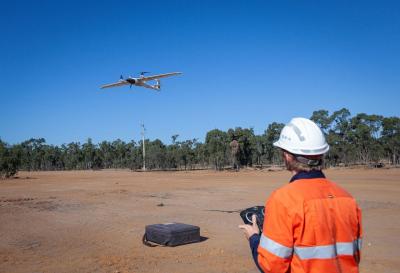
(143, 72)
(121, 77)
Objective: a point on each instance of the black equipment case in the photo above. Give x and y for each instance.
(171, 234)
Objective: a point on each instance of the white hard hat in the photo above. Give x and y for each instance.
(302, 136)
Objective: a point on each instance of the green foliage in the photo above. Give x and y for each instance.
(9, 160)
(391, 138)
(247, 144)
(321, 117)
(361, 139)
(155, 155)
(271, 135)
(217, 151)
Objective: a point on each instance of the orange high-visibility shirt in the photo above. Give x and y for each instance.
(311, 225)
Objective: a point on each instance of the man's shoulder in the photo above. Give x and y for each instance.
(285, 193)
(303, 188)
(339, 189)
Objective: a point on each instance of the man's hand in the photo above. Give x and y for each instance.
(250, 230)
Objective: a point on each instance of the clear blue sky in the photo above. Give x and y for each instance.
(245, 63)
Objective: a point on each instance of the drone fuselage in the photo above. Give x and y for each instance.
(132, 80)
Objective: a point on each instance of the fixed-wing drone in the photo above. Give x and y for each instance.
(142, 80)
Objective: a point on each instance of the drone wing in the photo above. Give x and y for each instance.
(150, 86)
(120, 83)
(154, 77)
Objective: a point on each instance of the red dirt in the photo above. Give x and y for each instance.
(93, 221)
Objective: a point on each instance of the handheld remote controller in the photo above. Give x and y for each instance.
(247, 214)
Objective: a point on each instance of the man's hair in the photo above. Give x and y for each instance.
(306, 164)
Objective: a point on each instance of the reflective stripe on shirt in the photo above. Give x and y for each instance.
(328, 251)
(314, 252)
(275, 248)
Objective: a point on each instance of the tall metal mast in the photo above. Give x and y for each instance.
(144, 149)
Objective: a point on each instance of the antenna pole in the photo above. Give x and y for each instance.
(144, 149)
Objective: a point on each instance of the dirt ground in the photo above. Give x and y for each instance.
(93, 221)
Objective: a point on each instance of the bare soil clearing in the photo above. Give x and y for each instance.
(93, 221)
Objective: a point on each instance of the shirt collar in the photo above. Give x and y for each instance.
(307, 175)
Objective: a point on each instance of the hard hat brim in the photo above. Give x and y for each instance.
(316, 151)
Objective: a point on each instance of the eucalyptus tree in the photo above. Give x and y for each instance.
(391, 138)
(338, 138)
(200, 151)
(9, 161)
(89, 154)
(322, 119)
(106, 153)
(271, 135)
(363, 135)
(259, 150)
(53, 158)
(73, 156)
(134, 156)
(120, 150)
(187, 153)
(173, 153)
(155, 155)
(32, 154)
(247, 144)
(217, 148)
(38, 153)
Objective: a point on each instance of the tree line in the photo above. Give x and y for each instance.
(359, 139)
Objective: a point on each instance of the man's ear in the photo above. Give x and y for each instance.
(287, 156)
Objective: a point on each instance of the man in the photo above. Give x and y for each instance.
(311, 224)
